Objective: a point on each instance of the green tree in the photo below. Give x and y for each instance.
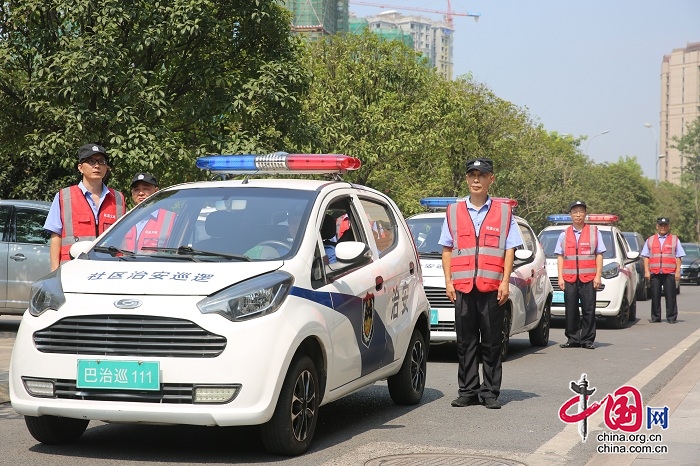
(157, 83)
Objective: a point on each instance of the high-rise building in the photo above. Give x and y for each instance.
(317, 18)
(432, 38)
(680, 105)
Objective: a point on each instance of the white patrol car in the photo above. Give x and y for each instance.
(530, 290)
(267, 299)
(615, 300)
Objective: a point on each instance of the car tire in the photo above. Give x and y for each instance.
(506, 335)
(633, 311)
(539, 336)
(406, 386)
(293, 423)
(54, 430)
(642, 291)
(622, 317)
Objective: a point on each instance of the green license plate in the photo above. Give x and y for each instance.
(434, 317)
(124, 375)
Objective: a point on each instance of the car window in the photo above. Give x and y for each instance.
(383, 224)
(528, 237)
(29, 226)
(633, 241)
(4, 220)
(691, 250)
(624, 246)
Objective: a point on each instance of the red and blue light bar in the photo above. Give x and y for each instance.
(279, 163)
(590, 218)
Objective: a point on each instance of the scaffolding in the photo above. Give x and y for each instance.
(318, 17)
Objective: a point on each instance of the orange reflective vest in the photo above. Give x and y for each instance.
(79, 220)
(154, 234)
(478, 259)
(662, 259)
(579, 259)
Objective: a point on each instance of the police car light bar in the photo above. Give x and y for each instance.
(278, 162)
(437, 202)
(591, 218)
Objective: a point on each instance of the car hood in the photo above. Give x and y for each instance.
(158, 278)
(686, 260)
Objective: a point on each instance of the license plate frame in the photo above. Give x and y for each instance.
(108, 374)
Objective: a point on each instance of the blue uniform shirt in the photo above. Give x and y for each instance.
(513, 240)
(599, 247)
(53, 219)
(680, 252)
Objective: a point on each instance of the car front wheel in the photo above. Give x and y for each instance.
(406, 386)
(539, 336)
(623, 316)
(53, 430)
(292, 426)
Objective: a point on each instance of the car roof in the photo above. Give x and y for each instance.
(26, 203)
(282, 183)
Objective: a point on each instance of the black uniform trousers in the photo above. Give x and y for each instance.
(580, 328)
(479, 326)
(668, 281)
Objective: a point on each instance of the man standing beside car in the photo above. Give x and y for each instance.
(83, 211)
(662, 254)
(478, 240)
(579, 253)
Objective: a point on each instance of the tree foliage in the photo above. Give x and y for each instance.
(156, 82)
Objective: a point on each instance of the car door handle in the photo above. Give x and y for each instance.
(18, 257)
(379, 282)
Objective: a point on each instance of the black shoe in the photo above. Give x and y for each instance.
(463, 401)
(672, 321)
(570, 344)
(588, 346)
(652, 321)
(492, 403)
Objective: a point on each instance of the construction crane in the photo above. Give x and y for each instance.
(449, 14)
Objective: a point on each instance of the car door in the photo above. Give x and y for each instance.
(28, 254)
(524, 279)
(5, 215)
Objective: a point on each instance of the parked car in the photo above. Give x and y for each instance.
(530, 290)
(636, 243)
(239, 317)
(690, 263)
(615, 300)
(24, 252)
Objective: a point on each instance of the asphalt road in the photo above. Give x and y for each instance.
(365, 427)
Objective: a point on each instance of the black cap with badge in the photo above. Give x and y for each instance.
(145, 177)
(663, 221)
(577, 204)
(481, 164)
(90, 149)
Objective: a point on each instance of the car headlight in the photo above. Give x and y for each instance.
(256, 297)
(47, 293)
(611, 270)
(694, 266)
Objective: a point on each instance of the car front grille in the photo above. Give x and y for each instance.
(555, 283)
(124, 335)
(169, 393)
(437, 297)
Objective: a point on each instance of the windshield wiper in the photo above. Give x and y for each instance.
(188, 251)
(430, 254)
(113, 251)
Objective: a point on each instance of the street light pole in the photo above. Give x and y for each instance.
(595, 135)
(657, 156)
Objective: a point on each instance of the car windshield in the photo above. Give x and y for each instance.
(210, 224)
(692, 252)
(426, 234)
(549, 239)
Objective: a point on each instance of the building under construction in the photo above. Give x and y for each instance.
(318, 18)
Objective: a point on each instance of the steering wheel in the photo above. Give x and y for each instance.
(273, 242)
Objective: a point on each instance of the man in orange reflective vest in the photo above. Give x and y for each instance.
(83, 211)
(662, 254)
(579, 253)
(154, 230)
(478, 239)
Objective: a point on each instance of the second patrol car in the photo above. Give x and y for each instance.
(265, 299)
(530, 290)
(616, 299)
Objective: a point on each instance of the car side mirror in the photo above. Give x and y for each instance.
(632, 256)
(79, 248)
(353, 252)
(522, 257)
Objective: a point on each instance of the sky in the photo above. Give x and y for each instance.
(579, 67)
